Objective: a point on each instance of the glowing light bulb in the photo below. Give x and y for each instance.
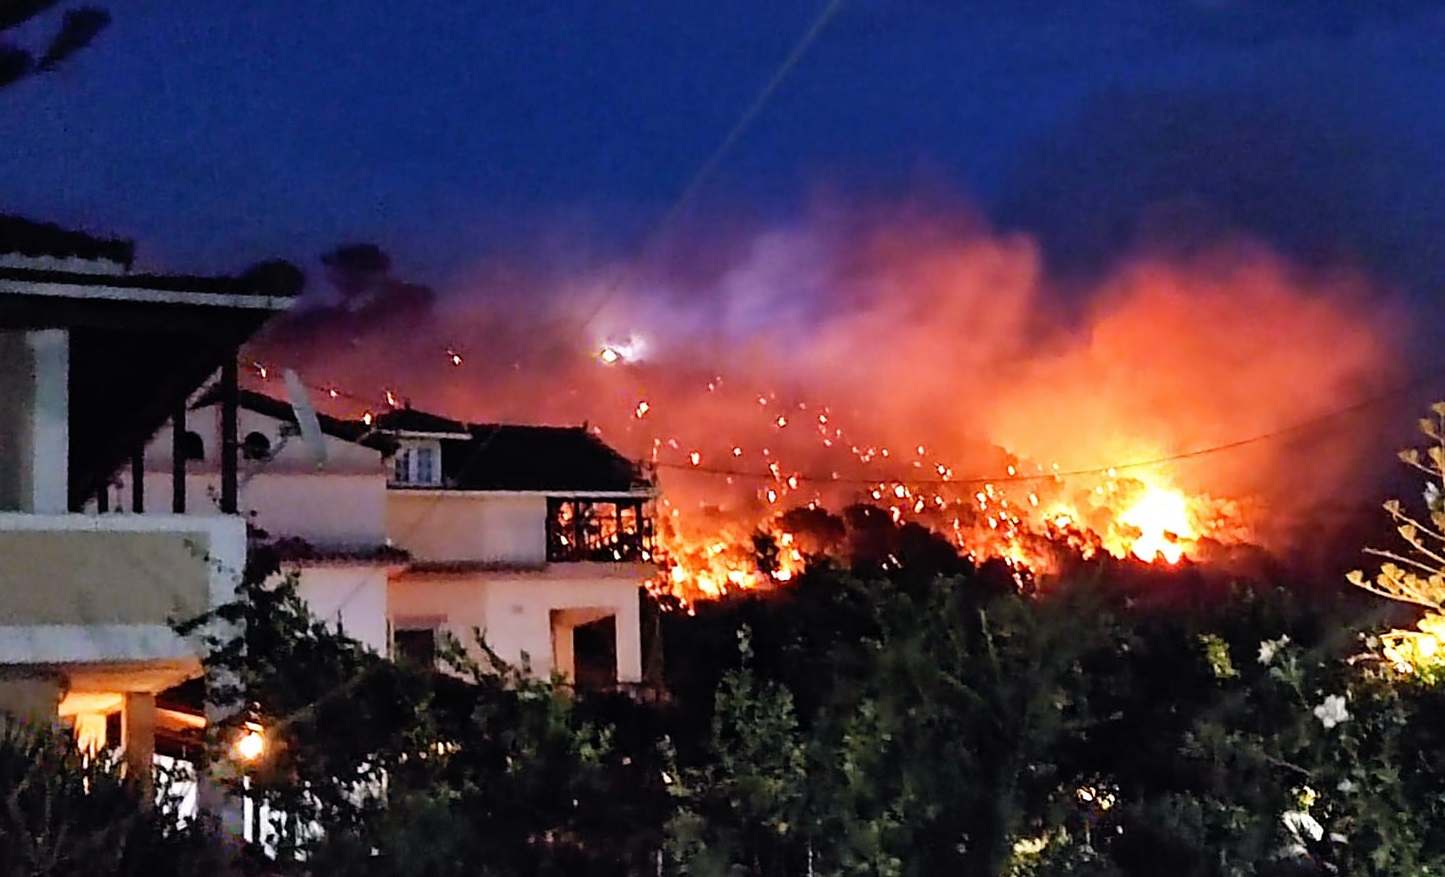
(251, 745)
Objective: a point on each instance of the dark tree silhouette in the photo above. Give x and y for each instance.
(78, 27)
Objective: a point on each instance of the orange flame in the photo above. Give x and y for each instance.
(1162, 518)
(942, 352)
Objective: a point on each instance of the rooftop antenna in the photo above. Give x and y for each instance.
(306, 419)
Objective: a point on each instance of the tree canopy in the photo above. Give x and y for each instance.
(77, 28)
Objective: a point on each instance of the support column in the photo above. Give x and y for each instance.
(47, 479)
(564, 660)
(178, 458)
(629, 642)
(230, 447)
(217, 769)
(138, 736)
(214, 795)
(138, 479)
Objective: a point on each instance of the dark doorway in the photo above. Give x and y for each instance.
(417, 647)
(594, 653)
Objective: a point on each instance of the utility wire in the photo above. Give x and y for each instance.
(1363, 405)
(708, 167)
(694, 185)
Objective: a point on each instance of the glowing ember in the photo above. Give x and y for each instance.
(708, 536)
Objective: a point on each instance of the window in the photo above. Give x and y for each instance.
(417, 464)
(415, 646)
(608, 531)
(255, 446)
(192, 447)
(425, 466)
(401, 473)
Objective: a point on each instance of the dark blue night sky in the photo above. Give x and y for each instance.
(218, 133)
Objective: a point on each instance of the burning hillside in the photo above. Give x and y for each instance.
(914, 363)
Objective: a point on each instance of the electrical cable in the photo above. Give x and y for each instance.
(694, 185)
(708, 167)
(972, 480)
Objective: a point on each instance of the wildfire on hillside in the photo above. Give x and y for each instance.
(918, 365)
(711, 514)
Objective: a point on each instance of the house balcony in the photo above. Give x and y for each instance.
(89, 599)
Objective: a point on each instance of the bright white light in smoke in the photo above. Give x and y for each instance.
(632, 349)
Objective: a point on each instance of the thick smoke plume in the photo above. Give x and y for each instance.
(826, 359)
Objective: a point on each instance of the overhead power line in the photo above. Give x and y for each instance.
(1417, 383)
(710, 165)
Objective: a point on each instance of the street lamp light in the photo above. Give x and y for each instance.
(251, 744)
(247, 749)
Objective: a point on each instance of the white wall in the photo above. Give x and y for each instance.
(514, 611)
(451, 526)
(216, 545)
(341, 456)
(353, 597)
(342, 504)
(325, 510)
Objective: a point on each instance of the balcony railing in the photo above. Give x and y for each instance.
(599, 531)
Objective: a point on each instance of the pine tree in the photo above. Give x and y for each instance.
(79, 26)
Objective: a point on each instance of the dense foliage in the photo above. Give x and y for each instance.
(65, 815)
(909, 718)
(1084, 731)
(481, 769)
(900, 713)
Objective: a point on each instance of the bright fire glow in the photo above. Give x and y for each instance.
(1162, 518)
(833, 378)
(1025, 517)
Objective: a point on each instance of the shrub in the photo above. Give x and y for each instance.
(66, 814)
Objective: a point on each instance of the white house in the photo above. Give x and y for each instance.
(325, 512)
(538, 537)
(94, 359)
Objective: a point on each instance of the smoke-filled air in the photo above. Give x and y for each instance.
(786, 379)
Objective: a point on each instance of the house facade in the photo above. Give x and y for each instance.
(95, 359)
(418, 528)
(538, 538)
(322, 506)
